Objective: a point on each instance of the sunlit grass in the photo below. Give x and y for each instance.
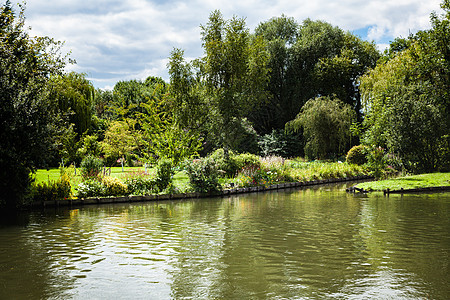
(408, 182)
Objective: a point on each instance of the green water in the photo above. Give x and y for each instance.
(300, 244)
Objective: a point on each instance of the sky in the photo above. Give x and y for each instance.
(116, 40)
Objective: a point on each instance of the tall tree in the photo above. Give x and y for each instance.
(25, 115)
(231, 78)
(307, 61)
(280, 34)
(326, 124)
(74, 95)
(407, 102)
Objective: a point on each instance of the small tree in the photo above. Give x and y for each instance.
(326, 125)
(119, 140)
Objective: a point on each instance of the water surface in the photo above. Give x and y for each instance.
(319, 243)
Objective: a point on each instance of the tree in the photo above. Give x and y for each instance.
(121, 139)
(26, 119)
(307, 61)
(407, 102)
(280, 34)
(339, 75)
(230, 79)
(74, 96)
(326, 125)
(162, 137)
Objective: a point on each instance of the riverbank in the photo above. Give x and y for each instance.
(432, 182)
(160, 197)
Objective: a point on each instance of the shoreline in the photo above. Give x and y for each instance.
(224, 193)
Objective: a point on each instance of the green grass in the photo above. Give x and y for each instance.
(180, 179)
(408, 182)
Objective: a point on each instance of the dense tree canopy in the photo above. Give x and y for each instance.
(231, 77)
(26, 120)
(407, 100)
(307, 61)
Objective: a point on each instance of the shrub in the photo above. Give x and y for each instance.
(164, 173)
(357, 155)
(114, 186)
(91, 187)
(91, 166)
(246, 160)
(52, 190)
(140, 183)
(281, 143)
(228, 166)
(257, 176)
(203, 175)
(141, 186)
(376, 161)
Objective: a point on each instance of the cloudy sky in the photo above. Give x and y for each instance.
(114, 40)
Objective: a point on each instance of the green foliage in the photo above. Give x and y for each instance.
(245, 160)
(302, 171)
(230, 80)
(113, 186)
(225, 164)
(52, 190)
(121, 138)
(73, 94)
(91, 166)
(306, 61)
(89, 146)
(406, 99)
(376, 161)
(141, 183)
(28, 125)
(162, 137)
(91, 187)
(257, 176)
(164, 173)
(280, 143)
(326, 125)
(203, 175)
(232, 164)
(357, 155)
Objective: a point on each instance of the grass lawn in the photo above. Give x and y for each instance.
(179, 179)
(53, 174)
(408, 182)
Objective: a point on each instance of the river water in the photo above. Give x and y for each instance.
(315, 243)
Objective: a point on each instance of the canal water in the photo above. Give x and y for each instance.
(315, 243)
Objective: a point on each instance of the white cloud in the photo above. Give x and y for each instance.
(118, 40)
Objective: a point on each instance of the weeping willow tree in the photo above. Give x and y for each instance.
(326, 126)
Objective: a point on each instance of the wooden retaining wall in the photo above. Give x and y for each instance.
(224, 193)
(433, 189)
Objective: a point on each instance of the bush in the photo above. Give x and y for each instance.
(140, 183)
(228, 166)
(52, 190)
(114, 187)
(357, 155)
(281, 143)
(245, 160)
(203, 175)
(235, 162)
(164, 173)
(91, 166)
(91, 187)
(377, 162)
